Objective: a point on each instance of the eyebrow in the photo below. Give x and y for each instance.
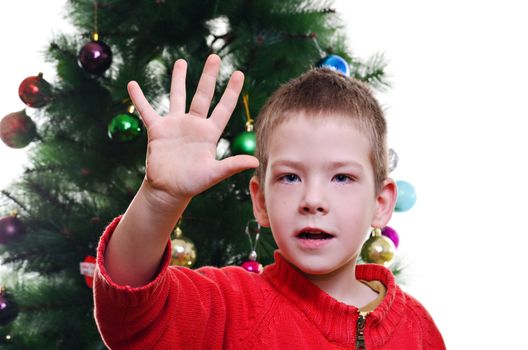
(331, 164)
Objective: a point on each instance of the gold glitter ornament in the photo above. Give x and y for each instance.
(183, 249)
(378, 249)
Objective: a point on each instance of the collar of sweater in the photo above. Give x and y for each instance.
(333, 318)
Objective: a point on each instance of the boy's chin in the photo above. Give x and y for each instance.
(321, 267)
(319, 271)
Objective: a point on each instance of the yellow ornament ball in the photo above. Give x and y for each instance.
(378, 249)
(183, 250)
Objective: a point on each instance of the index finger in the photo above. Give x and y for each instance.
(144, 108)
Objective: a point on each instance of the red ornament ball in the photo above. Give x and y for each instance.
(87, 269)
(17, 130)
(35, 91)
(10, 228)
(95, 57)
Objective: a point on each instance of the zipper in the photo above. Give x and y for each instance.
(360, 330)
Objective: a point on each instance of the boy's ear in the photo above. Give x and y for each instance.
(259, 203)
(385, 202)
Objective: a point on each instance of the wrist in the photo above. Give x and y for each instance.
(161, 201)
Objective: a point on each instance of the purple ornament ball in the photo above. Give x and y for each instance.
(95, 57)
(391, 233)
(8, 308)
(11, 228)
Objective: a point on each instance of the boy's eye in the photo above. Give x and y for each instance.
(342, 178)
(289, 178)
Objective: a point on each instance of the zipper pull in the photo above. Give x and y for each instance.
(360, 331)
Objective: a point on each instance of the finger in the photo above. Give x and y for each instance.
(144, 108)
(206, 87)
(177, 91)
(233, 165)
(227, 104)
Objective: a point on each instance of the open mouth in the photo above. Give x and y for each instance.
(318, 235)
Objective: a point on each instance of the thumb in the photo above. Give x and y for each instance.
(232, 165)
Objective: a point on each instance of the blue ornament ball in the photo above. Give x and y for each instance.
(336, 63)
(406, 196)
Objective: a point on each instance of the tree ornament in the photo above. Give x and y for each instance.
(183, 249)
(336, 63)
(17, 130)
(391, 233)
(393, 160)
(378, 249)
(11, 228)
(8, 308)
(406, 196)
(5, 339)
(223, 148)
(252, 265)
(95, 56)
(125, 127)
(87, 269)
(34, 91)
(245, 143)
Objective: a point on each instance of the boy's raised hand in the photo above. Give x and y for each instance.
(181, 154)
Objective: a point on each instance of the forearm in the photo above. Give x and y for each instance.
(135, 250)
(181, 162)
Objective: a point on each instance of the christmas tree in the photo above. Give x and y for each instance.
(88, 151)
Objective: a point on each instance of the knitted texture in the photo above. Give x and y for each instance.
(230, 308)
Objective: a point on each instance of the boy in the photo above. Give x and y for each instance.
(320, 184)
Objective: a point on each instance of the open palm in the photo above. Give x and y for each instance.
(182, 146)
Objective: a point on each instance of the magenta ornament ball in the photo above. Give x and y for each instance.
(391, 233)
(252, 266)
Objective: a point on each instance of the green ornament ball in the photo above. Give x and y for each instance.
(125, 127)
(245, 143)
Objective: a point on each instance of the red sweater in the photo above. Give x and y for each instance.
(230, 308)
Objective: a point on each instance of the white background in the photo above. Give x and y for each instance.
(457, 118)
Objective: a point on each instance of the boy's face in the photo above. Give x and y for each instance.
(319, 196)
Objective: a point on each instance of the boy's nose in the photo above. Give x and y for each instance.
(313, 202)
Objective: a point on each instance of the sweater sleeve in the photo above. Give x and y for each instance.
(431, 337)
(179, 309)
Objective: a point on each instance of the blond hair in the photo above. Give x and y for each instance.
(317, 93)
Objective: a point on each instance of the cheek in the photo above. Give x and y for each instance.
(353, 209)
(281, 196)
(279, 208)
(280, 211)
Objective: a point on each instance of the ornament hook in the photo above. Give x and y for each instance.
(253, 231)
